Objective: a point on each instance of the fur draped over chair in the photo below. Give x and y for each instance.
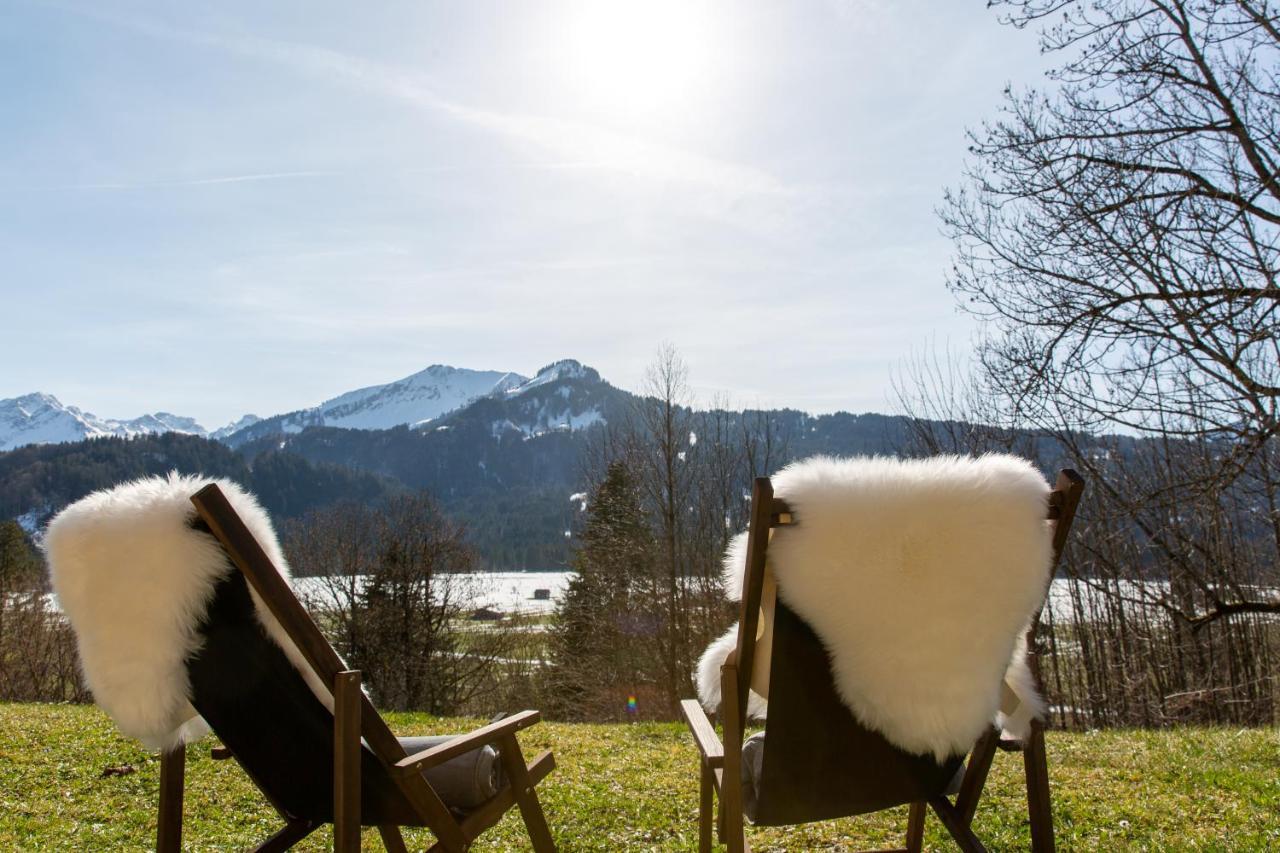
(921, 577)
(135, 576)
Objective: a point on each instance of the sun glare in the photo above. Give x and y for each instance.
(640, 61)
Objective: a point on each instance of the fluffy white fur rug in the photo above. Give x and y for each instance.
(920, 576)
(134, 579)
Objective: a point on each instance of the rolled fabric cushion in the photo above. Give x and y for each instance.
(464, 782)
(752, 770)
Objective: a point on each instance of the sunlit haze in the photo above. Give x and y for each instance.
(236, 207)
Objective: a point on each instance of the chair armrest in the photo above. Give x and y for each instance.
(420, 761)
(703, 733)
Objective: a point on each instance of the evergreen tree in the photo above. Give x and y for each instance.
(604, 641)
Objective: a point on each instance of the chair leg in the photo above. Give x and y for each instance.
(522, 787)
(169, 822)
(1036, 764)
(346, 762)
(706, 807)
(956, 825)
(290, 834)
(915, 827)
(392, 839)
(734, 829)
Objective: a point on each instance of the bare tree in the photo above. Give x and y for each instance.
(391, 589)
(38, 661)
(1120, 236)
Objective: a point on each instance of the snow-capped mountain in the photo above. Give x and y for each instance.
(43, 419)
(562, 397)
(234, 427)
(412, 401)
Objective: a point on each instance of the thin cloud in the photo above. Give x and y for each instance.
(195, 182)
(581, 144)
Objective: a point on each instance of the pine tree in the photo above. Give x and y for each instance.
(604, 642)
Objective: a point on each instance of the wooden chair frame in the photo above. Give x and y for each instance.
(720, 761)
(356, 718)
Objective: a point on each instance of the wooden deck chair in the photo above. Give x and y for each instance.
(315, 762)
(819, 761)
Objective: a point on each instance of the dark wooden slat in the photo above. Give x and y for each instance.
(975, 775)
(1071, 486)
(346, 762)
(524, 789)
(492, 810)
(247, 555)
(1039, 811)
(915, 827)
(731, 780)
(427, 758)
(955, 825)
(706, 806)
(749, 613)
(169, 821)
(392, 839)
(292, 832)
(703, 733)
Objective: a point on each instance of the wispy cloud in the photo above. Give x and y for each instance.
(575, 144)
(193, 182)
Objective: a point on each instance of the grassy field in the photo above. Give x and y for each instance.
(69, 781)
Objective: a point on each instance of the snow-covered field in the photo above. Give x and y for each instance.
(506, 592)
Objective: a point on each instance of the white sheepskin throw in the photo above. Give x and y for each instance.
(134, 580)
(921, 577)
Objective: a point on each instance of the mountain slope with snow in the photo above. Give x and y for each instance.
(43, 419)
(414, 400)
(565, 396)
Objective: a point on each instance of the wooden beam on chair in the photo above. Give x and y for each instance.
(169, 820)
(290, 834)
(1039, 811)
(704, 735)
(752, 584)
(463, 744)
(392, 839)
(956, 826)
(975, 775)
(524, 789)
(492, 810)
(346, 762)
(733, 831)
(915, 827)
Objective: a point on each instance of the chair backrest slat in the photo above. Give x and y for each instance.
(752, 586)
(1062, 508)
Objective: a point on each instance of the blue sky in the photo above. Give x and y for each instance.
(220, 208)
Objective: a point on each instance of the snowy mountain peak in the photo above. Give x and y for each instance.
(412, 401)
(566, 368)
(235, 426)
(39, 418)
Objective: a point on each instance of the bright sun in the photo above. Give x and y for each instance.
(641, 61)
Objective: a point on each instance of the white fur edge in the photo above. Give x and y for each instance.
(709, 676)
(797, 484)
(134, 580)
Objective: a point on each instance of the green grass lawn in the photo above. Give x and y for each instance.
(634, 787)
